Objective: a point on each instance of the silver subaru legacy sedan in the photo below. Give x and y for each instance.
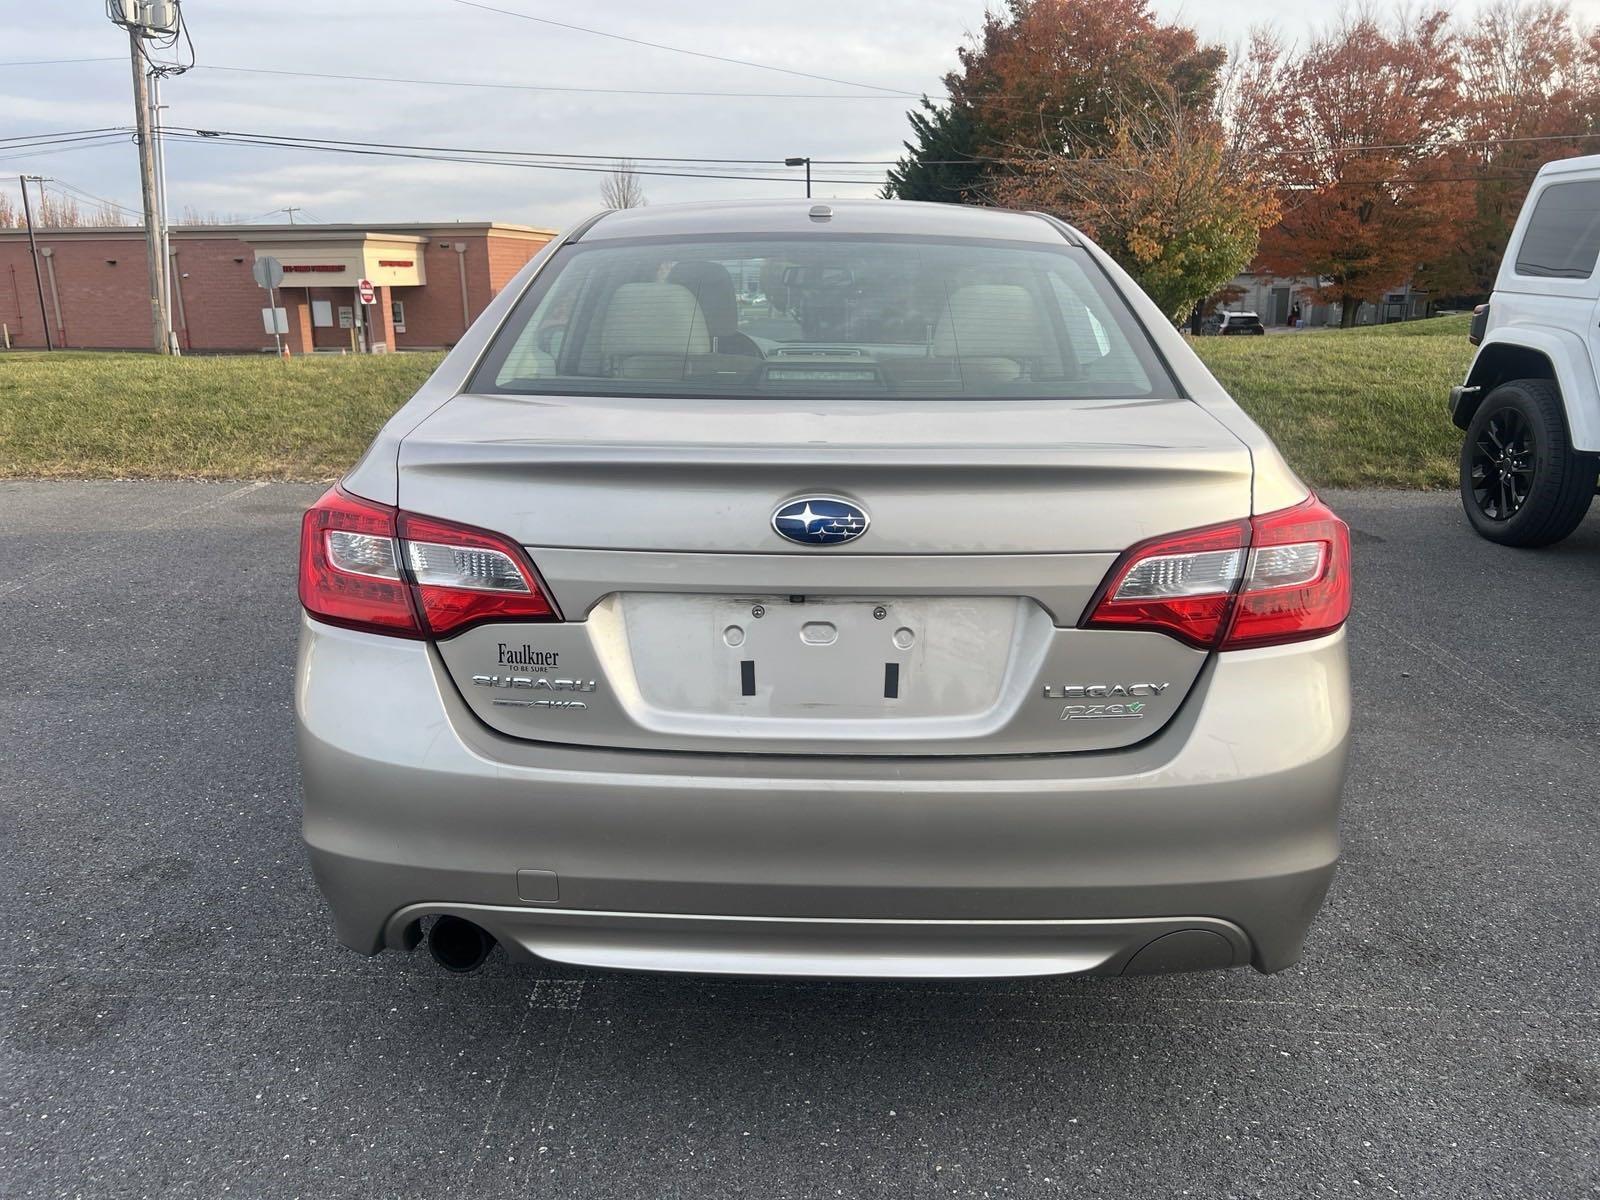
(854, 589)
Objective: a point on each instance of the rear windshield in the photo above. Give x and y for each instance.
(823, 317)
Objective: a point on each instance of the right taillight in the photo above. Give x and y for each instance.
(1277, 578)
(369, 566)
(1297, 584)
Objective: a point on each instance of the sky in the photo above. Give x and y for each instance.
(875, 47)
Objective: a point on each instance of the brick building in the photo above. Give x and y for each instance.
(431, 282)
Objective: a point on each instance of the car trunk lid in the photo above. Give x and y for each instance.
(949, 628)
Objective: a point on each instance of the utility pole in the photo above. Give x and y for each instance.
(795, 162)
(33, 248)
(291, 210)
(147, 190)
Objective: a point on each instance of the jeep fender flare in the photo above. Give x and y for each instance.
(1539, 352)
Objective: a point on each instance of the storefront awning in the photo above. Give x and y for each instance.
(342, 260)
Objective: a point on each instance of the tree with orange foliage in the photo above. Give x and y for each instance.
(1162, 198)
(1358, 134)
(1099, 112)
(1056, 76)
(1530, 90)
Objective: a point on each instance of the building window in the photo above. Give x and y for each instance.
(397, 309)
(322, 313)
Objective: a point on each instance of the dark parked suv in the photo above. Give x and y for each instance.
(1239, 323)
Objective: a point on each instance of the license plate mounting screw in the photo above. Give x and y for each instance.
(758, 610)
(879, 613)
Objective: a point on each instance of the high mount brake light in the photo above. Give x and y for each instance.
(369, 566)
(1281, 577)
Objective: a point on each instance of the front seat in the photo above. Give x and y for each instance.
(650, 330)
(996, 334)
(713, 288)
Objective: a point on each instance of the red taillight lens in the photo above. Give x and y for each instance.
(1277, 578)
(467, 576)
(1297, 585)
(1181, 584)
(368, 566)
(350, 566)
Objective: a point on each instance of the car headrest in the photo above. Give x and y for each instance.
(653, 318)
(991, 320)
(713, 288)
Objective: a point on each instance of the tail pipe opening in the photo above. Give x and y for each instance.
(458, 945)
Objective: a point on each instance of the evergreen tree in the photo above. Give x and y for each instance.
(942, 165)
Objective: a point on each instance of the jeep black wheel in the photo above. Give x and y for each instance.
(1522, 484)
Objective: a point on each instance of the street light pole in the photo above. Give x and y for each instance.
(806, 162)
(33, 248)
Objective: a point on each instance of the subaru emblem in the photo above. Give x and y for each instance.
(820, 521)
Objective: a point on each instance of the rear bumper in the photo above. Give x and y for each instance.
(844, 947)
(1224, 824)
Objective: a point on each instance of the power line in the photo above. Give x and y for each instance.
(217, 138)
(741, 62)
(539, 87)
(886, 162)
(1442, 147)
(50, 62)
(87, 195)
(449, 157)
(889, 95)
(551, 160)
(547, 154)
(64, 133)
(82, 144)
(772, 162)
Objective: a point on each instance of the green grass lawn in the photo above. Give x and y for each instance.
(131, 416)
(1349, 408)
(1353, 407)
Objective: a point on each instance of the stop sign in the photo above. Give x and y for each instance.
(365, 290)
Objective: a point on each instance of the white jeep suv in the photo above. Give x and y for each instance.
(1531, 403)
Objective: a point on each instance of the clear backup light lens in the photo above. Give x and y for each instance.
(466, 576)
(362, 554)
(464, 567)
(1169, 575)
(1180, 584)
(1299, 584)
(1285, 566)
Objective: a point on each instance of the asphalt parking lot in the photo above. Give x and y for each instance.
(178, 1021)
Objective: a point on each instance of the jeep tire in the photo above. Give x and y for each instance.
(1522, 484)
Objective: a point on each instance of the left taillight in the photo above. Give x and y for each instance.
(369, 566)
(463, 576)
(350, 566)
